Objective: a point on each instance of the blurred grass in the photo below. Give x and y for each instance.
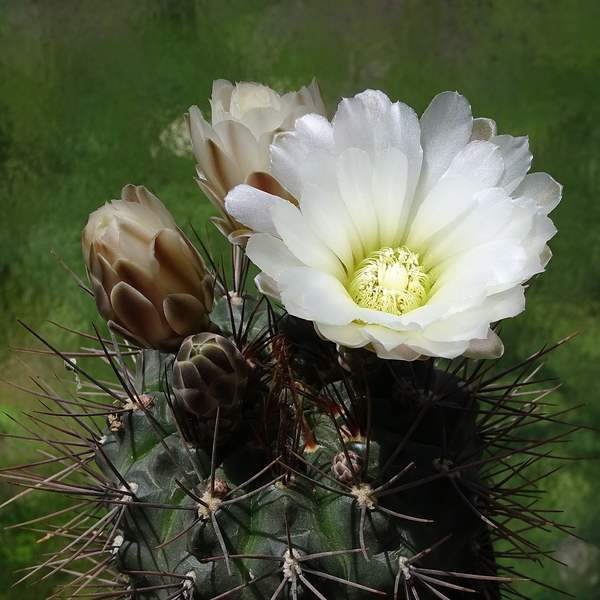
(88, 86)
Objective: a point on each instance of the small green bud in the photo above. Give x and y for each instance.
(210, 373)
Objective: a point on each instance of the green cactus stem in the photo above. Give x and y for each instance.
(342, 477)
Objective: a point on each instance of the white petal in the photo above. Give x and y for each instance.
(270, 254)
(450, 198)
(517, 159)
(311, 133)
(483, 129)
(199, 128)
(417, 319)
(401, 130)
(542, 188)
(323, 206)
(460, 327)
(251, 207)
(267, 286)
(302, 241)
(400, 352)
(354, 121)
(503, 258)
(384, 337)
(328, 218)
(490, 347)
(524, 210)
(505, 304)
(372, 123)
(347, 335)
(389, 344)
(392, 202)
(262, 119)
(322, 297)
(446, 127)
(238, 141)
(535, 247)
(477, 226)
(355, 180)
(464, 291)
(479, 162)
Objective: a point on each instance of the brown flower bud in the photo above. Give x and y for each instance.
(347, 467)
(149, 282)
(220, 488)
(210, 374)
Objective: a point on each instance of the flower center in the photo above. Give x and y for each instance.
(390, 280)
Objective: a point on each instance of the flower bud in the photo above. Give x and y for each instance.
(347, 467)
(234, 148)
(210, 373)
(149, 282)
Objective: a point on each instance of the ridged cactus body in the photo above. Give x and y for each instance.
(331, 491)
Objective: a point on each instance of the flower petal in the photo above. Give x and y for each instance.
(355, 180)
(302, 241)
(480, 163)
(271, 255)
(267, 286)
(446, 127)
(447, 201)
(517, 159)
(347, 335)
(390, 195)
(490, 347)
(252, 207)
(320, 295)
(542, 188)
(483, 129)
(137, 313)
(503, 259)
(238, 141)
(312, 133)
(478, 225)
(185, 314)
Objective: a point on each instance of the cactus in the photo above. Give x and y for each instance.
(245, 450)
(343, 476)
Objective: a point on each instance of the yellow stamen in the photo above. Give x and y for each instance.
(390, 280)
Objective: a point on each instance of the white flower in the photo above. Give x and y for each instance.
(234, 148)
(411, 236)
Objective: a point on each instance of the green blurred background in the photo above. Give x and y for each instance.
(92, 94)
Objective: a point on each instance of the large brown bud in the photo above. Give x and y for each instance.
(210, 374)
(149, 282)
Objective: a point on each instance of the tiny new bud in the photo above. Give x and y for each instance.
(220, 488)
(347, 467)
